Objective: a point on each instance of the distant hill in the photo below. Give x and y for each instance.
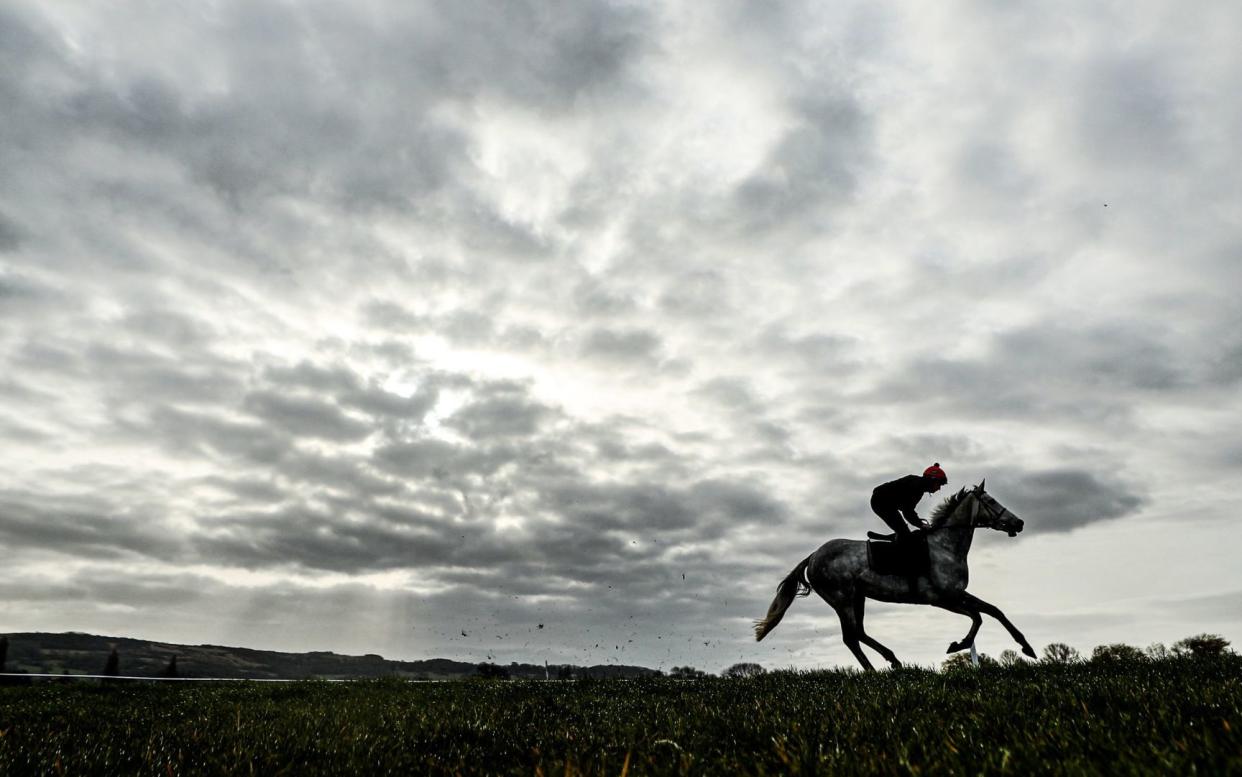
(76, 653)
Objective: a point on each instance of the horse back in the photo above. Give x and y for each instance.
(837, 562)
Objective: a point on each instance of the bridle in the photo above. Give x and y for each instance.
(986, 516)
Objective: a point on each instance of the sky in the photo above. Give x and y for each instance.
(560, 332)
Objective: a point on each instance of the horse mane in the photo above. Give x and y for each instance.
(946, 508)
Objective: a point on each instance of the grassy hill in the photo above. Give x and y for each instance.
(1170, 716)
(76, 653)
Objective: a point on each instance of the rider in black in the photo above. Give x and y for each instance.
(894, 501)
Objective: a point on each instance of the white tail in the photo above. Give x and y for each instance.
(791, 587)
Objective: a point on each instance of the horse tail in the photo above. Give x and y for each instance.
(792, 586)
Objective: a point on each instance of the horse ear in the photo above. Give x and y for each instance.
(981, 482)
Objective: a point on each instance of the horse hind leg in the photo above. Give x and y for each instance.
(850, 633)
(888, 655)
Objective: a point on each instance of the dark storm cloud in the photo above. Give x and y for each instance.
(1064, 499)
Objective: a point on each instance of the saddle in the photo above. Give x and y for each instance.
(908, 558)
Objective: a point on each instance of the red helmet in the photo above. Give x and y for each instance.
(934, 471)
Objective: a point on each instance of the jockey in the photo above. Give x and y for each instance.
(894, 501)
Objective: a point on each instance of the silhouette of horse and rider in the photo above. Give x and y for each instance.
(925, 566)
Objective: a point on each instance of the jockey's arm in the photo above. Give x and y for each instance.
(913, 519)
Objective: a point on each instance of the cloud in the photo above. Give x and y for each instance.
(1090, 376)
(304, 416)
(612, 344)
(1064, 499)
(412, 304)
(10, 235)
(1216, 606)
(87, 526)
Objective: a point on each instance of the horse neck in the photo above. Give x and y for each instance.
(956, 533)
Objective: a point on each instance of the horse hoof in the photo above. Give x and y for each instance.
(1028, 650)
(956, 646)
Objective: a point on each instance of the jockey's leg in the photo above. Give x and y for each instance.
(892, 518)
(901, 532)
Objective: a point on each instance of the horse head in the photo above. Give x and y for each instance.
(991, 514)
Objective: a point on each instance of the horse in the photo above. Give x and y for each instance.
(838, 571)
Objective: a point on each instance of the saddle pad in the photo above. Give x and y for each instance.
(908, 557)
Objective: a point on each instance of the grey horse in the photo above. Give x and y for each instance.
(840, 574)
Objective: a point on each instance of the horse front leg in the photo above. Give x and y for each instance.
(990, 609)
(962, 608)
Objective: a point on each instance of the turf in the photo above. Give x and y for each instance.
(1174, 716)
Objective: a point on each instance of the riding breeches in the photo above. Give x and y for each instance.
(891, 516)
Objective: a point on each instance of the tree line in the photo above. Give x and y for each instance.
(111, 667)
(1198, 646)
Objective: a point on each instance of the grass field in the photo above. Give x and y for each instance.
(1174, 716)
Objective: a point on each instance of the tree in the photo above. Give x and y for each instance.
(488, 671)
(962, 661)
(1011, 658)
(743, 670)
(4, 656)
(686, 673)
(1061, 653)
(1117, 653)
(171, 669)
(1201, 646)
(113, 667)
(1156, 651)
